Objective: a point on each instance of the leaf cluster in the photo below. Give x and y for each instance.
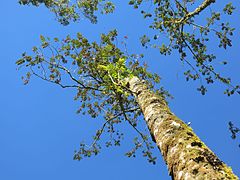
(174, 20)
(66, 11)
(191, 39)
(234, 130)
(98, 71)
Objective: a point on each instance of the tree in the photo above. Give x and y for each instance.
(115, 84)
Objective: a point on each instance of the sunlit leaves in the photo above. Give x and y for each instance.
(20, 61)
(98, 72)
(229, 8)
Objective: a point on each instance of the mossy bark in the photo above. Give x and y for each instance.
(186, 156)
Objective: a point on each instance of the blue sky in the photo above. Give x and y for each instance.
(39, 129)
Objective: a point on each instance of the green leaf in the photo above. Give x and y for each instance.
(42, 38)
(20, 61)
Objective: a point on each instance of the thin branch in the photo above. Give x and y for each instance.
(183, 8)
(126, 118)
(99, 133)
(205, 66)
(71, 76)
(48, 80)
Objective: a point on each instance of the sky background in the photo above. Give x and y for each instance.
(39, 129)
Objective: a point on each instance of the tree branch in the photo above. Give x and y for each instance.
(99, 133)
(48, 80)
(71, 76)
(199, 9)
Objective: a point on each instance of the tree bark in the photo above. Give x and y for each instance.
(186, 156)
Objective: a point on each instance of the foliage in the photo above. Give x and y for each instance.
(234, 130)
(66, 11)
(98, 72)
(172, 19)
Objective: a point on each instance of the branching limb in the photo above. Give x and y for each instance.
(99, 132)
(199, 9)
(209, 69)
(55, 82)
(70, 75)
(133, 125)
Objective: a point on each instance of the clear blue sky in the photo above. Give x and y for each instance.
(39, 129)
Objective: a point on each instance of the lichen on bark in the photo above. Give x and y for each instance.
(186, 156)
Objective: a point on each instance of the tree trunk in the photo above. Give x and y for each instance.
(186, 156)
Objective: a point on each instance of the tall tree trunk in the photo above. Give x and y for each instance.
(186, 156)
